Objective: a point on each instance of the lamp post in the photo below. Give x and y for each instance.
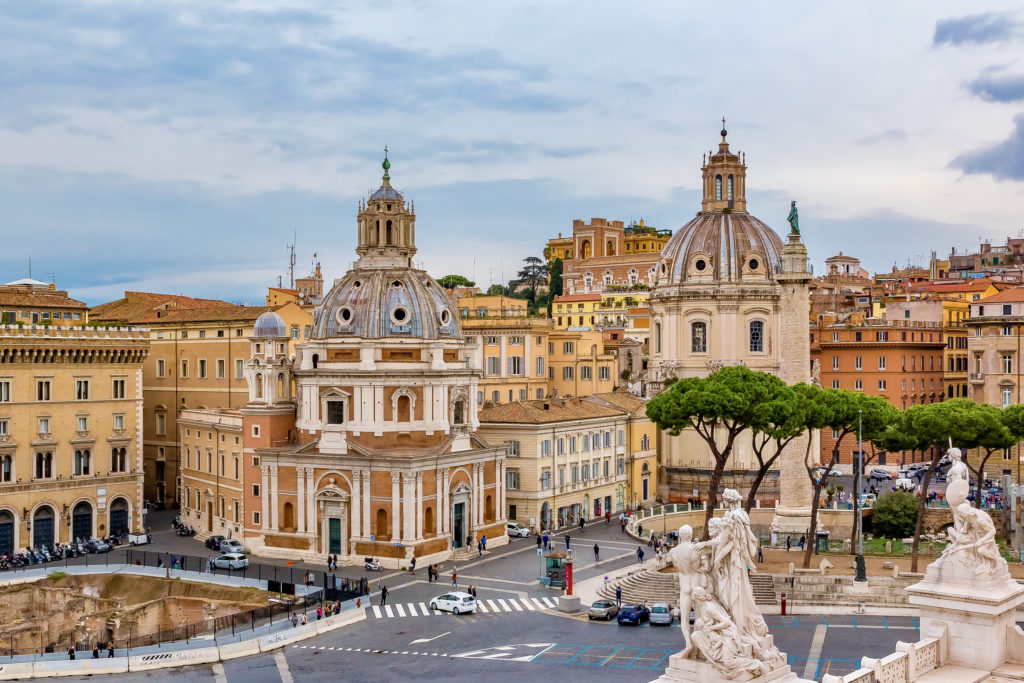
(861, 573)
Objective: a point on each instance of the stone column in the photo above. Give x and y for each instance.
(300, 486)
(265, 497)
(396, 524)
(446, 482)
(478, 494)
(310, 501)
(273, 498)
(408, 507)
(499, 489)
(793, 513)
(366, 503)
(356, 502)
(438, 506)
(419, 505)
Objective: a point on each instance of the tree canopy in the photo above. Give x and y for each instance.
(895, 515)
(555, 277)
(452, 281)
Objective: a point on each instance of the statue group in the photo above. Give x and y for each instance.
(972, 537)
(729, 632)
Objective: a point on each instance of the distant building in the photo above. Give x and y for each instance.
(603, 253)
(31, 302)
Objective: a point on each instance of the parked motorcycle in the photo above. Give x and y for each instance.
(371, 564)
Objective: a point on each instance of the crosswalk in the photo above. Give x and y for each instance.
(497, 606)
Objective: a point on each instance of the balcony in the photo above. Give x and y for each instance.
(977, 377)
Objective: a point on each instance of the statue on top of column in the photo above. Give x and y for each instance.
(793, 218)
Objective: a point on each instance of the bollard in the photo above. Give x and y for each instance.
(783, 604)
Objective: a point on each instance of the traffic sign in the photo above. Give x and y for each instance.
(373, 538)
(539, 552)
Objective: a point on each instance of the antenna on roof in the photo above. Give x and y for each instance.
(291, 262)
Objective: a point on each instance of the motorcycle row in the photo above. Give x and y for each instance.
(182, 529)
(58, 551)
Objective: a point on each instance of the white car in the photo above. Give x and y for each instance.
(231, 561)
(517, 529)
(232, 546)
(456, 603)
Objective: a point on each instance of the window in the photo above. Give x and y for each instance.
(1007, 331)
(607, 467)
(718, 187)
(6, 473)
(517, 366)
(479, 398)
(622, 437)
(858, 363)
(513, 448)
(44, 465)
(184, 334)
(256, 490)
(607, 439)
(335, 412)
(496, 397)
(575, 474)
(620, 466)
(568, 347)
(1007, 364)
(221, 369)
(1007, 397)
(881, 362)
(881, 385)
(545, 479)
(83, 423)
(44, 425)
(43, 390)
(540, 366)
(81, 390)
(572, 444)
(835, 362)
(5, 391)
(256, 518)
(561, 446)
(835, 384)
(882, 336)
(858, 385)
(604, 373)
(586, 442)
(545, 447)
(645, 442)
(835, 434)
(493, 365)
(515, 340)
(161, 423)
(117, 390)
(699, 337)
(561, 476)
(82, 463)
(255, 431)
(160, 368)
(184, 369)
(857, 336)
(1007, 309)
(756, 336)
(512, 479)
(567, 372)
(202, 368)
(585, 372)
(586, 472)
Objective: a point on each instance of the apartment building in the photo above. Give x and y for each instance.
(994, 347)
(513, 354)
(70, 434)
(212, 472)
(578, 364)
(31, 302)
(603, 252)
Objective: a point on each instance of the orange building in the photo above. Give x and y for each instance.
(901, 360)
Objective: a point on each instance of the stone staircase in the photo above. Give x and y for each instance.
(650, 586)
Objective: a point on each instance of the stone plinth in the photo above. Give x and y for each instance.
(977, 606)
(695, 671)
(569, 603)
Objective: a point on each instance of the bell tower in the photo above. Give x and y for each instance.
(725, 179)
(387, 227)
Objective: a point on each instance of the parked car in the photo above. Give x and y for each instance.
(455, 602)
(661, 614)
(905, 484)
(879, 474)
(231, 545)
(231, 561)
(96, 545)
(517, 529)
(602, 609)
(633, 614)
(867, 499)
(213, 542)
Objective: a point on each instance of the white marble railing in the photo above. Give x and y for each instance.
(906, 665)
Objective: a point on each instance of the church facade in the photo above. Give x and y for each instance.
(365, 443)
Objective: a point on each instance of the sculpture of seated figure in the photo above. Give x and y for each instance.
(973, 535)
(719, 642)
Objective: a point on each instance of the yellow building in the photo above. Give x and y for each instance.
(212, 472)
(578, 364)
(567, 459)
(575, 311)
(483, 306)
(31, 302)
(70, 437)
(559, 247)
(512, 352)
(198, 350)
(641, 446)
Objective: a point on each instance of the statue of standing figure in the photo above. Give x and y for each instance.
(957, 470)
(793, 218)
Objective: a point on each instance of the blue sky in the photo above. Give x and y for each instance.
(176, 146)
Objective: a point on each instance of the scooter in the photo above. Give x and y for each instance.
(371, 564)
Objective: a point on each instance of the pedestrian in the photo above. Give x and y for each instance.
(567, 541)
(383, 595)
(640, 530)
(483, 541)
(607, 518)
(335, 567)
(639, 554)
(71, 652)
(303, 620)
(480, 548)
(473, 592)
(540, 542)
(469, 541)
(546, 547)
(582, 522)
(328, 563)
(455, 579)
(803, 539)
(760, 553)
(618, 596)
(96, 651)
(209, 564)
(295, 620)
(110, 649)
(337, 606)
(319, 613)
(174, 562)
(622, 524)
(412, 566)
(597, 552)
(789, 541)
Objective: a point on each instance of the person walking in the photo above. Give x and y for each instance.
(303, 620)
(96, 651)
(800, 544)
(760, 553)
(582, 522)
(383, 595)
(640, 530)
(110, 649)
(540, 542)
(607, 518)
(335, 561)
(639, 554)
(567, 541)
(455, 579)
(328, 563)
(618, 596)
(789, 542)
(295, 620)
(597, 552)
(412, 566)
(483, 541)
(71, 652)
(546, 539)
(480, 548)
(622, 524)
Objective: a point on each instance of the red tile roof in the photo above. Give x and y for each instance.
(1013, 295)
(550, 410)
(578, 297)
(135, 307)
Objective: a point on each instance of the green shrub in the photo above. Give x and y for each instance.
(895, 515)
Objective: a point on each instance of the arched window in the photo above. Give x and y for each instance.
(459, 412)
(316, 360)
(381, 528)
(375, 235)
(585, 249)
(288, 517)
(607, 277)
(657, 337)
(609, 249)
(633, 276)
(428, 521)
(44, 465)
(730, 187)
(280, 385)
(118, 460)
(82, 462)
(259, 386)
(390, 238)
(756, 336)
(698, 337)
(718, 187)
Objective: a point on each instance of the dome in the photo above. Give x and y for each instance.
(386, 303)
(719, 246)
(269, 326)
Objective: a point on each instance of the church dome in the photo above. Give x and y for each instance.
(384, 303)
(719, 246)
(269, 326)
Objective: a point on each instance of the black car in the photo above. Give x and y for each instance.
(633, 614)
(213, 542)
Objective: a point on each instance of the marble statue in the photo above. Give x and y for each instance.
(973, 535)
(958, 470)
(687, 558)
(734, 555)
(793, 218)
(716, 637)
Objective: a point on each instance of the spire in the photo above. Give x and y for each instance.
(386, 166)
(724, 131)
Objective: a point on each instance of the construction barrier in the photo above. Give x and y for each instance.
(163, 660)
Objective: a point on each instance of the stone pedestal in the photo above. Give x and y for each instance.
(695, 671)
(569, 603)
(977, 606)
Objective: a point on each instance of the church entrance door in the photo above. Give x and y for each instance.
(458, 525)
(334, 535)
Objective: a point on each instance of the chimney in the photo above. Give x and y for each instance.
(547, 406)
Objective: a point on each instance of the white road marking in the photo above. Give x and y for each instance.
(528, 605)
(815, 653)
(492, 606)
(540, 605)
(387, 610)
(427, 640)
(218, 673)
(504, 605)
(376, 612)
(549, 602)
(515, 605)
(481, 607)
(423, 608)
(282, 667)
(401, 611)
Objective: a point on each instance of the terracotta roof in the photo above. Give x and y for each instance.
(621, 399)
(135, 307)
(979, 285)
(38, 299)
(578, 297)
(226, 312)
(285, 290)
(551, 410)
(1006, 296)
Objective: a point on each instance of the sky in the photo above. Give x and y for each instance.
(178, 146)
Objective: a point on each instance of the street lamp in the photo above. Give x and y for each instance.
(861, 574)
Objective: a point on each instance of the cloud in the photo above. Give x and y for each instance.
(888, 135)
(991, 27)
(1003, 161)
(998, 88)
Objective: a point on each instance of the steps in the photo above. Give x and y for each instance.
(764, 589)
(649, 586)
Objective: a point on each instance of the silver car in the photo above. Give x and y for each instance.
(602, 609)
(661, 614)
